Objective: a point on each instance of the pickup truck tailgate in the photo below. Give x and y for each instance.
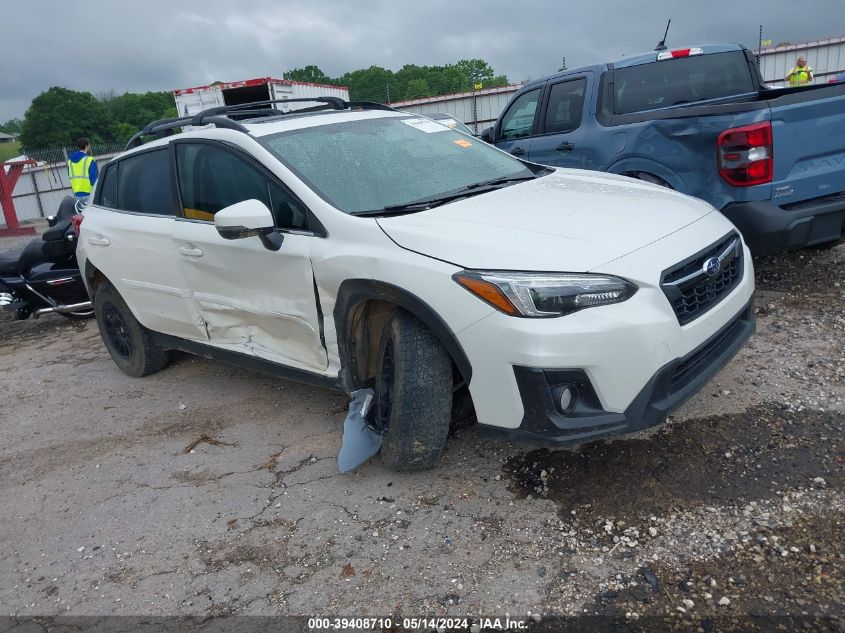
(809, 145)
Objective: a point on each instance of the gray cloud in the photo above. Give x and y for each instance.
(102, 45)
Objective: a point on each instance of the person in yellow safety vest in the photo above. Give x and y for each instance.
(801, 74)
(82, 170)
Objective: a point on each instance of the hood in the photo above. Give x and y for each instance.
(569, 221)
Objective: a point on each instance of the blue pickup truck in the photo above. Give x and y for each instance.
(701, 121)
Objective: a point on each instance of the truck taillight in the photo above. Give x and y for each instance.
(75, 221)
(745, 155)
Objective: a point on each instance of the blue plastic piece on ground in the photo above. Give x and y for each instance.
(360, 442)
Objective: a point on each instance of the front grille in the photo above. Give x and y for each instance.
(692, 290)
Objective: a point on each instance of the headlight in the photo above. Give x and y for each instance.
(544, 294)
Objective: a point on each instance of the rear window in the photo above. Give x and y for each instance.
(144, 183)
(108, 187)
(678, 81)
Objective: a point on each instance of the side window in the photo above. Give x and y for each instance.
(519, 118)
(210, 179)
(566, 103)
(108, 187)
(144, 183)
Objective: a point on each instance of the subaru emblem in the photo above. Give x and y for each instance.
(712, 266)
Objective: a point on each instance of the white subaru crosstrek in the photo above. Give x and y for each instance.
(362, 247)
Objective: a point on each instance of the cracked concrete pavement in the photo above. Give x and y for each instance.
(209, 490)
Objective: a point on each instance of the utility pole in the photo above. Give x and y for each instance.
(388, 92)
(760, 47)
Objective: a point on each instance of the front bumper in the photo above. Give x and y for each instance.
(543, 424)
(768, 228)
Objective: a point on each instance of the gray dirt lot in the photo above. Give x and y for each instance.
(209, 490)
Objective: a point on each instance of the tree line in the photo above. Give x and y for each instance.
(409, 82)
(58, 116)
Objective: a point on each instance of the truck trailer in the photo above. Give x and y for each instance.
(190, 101)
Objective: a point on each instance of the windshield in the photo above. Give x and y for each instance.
(662, 84)
(370, 164)
(450, 122)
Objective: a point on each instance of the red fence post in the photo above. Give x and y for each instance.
(7, 188)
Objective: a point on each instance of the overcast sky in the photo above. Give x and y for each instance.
(100, 45)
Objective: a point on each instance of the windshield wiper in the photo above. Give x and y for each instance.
(423, 204)
(495, 182)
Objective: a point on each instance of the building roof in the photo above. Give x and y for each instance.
(5, 137)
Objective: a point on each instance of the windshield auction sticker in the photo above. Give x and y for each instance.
(425, 125)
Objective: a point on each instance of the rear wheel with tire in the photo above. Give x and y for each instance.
(413, 394)
(128, 342)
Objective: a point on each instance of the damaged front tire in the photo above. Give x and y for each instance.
(413, 394)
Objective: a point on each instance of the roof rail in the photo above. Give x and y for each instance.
(212, 116)
(335, 103)
(166, 127)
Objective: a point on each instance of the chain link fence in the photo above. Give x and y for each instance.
(41, 187)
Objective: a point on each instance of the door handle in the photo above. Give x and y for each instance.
(187, 251)
(98, 241)
(566, 146)
(517, 151)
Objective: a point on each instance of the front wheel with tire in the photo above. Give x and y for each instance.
(128, 342)
(413, 394)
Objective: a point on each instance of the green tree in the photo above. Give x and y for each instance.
(474, 71)
(310, 73)
(137, 110)
(417, 88)
(12, 126)
(371, 84)
(59, 116)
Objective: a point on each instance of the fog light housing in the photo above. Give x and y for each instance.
(565, 398)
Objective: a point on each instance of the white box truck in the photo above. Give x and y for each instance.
(189, 101)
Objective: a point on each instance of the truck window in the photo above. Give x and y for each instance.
(519, 118)
(566, 102)
(662, 84)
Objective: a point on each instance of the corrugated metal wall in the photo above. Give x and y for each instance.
(826, 57)
(488, 104)
(303, 91)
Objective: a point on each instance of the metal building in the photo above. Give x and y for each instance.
(477, 110)
(825, 57)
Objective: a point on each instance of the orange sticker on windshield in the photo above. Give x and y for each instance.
(463, 143)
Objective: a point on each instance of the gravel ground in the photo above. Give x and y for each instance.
(207, 490)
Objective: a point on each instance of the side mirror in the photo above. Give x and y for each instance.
(487, 135)
(249, 218)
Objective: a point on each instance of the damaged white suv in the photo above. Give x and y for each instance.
(362, 247)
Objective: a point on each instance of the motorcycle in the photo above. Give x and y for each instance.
(45, 277)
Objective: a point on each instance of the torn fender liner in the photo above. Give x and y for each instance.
(360, 442)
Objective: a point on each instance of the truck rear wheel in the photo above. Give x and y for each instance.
(413, 394)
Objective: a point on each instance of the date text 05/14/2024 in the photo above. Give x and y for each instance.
(418, 624)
